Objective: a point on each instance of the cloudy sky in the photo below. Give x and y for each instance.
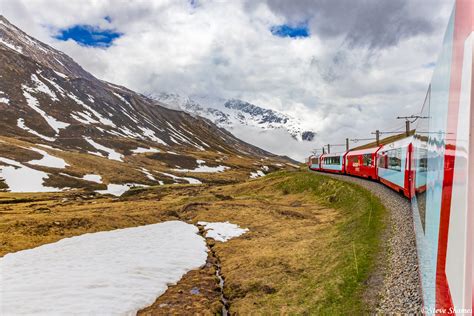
(344, 67)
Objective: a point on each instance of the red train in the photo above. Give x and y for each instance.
(390, 164)
(435, 169)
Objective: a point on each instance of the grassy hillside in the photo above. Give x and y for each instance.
(310, 246)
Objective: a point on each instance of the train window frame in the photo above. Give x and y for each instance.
(394, 159)
(333, 160)
(382, 160)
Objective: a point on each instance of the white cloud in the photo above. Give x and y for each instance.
(226, 49)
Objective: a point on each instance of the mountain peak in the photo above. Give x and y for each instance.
(16, 41)
(234, 112)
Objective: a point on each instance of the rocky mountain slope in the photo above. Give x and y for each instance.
(64, 128)
(233, 113)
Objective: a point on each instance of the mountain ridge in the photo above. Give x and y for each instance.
(47, 100)
(230, 113)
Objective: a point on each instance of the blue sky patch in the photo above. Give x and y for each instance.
(89, 35)
(286, 30)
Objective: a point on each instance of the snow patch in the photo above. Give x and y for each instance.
(117, 272)
(190, 180)
(101, 118)
(11, 46)
(55, 85)
(123, 99)
(257, 174)
(152, 135)
(33, 103)
(114, 189)
(4, 98)
(93, 178)
(21, 124)
(222, 231)
(205, 169)
(142, 150)
(84, 118)
(148, 174)
(21, 178)
(112, 154)
(119, 189)
(48, 160)
(60, 74)
(41, 87)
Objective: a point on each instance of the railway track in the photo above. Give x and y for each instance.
(394, 286)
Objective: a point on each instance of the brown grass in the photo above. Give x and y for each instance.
(294, 259)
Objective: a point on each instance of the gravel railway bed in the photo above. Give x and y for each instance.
(400, 290)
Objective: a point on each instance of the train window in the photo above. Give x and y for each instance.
(367, 160)
(332, 160)
(395, 159)
(315, 161)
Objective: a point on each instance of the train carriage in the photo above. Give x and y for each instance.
(334, 163)
(394, 165)
(314, 162)
(363, 163)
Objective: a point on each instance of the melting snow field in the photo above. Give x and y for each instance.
(222, 231)
(112, 154)
(93, 178)
(190, 180)
(203, 168)
(119, 189)
(21, 124)
(142, 150)
(21, 178)
(106, 273)
(48, 160)
(34, 104)
(115, 189)
(257, 174)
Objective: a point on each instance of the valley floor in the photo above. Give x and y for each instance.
(311, 244)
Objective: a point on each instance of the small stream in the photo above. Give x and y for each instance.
(224, 300)
(217, 266)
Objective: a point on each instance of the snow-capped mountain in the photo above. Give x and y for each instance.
(234, 113)
(67, 128)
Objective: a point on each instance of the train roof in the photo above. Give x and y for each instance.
(371, 150)
(386, 140)
(399, 143)
(333, 154)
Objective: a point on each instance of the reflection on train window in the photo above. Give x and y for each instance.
(382, 161)
(367, 160)
(332, 160)
(422, 161)
(421, 158)
(395, 159)
(315, 161)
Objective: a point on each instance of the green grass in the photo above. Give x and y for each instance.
(358, 238)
